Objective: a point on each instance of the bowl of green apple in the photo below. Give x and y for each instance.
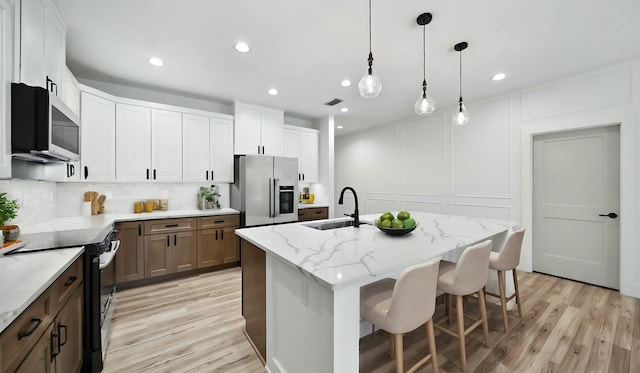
(398, 225)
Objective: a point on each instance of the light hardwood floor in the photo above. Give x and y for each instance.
(195, 324)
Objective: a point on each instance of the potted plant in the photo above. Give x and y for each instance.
(8, 211)
(208, 198)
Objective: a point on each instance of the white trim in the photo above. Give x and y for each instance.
(624, 115)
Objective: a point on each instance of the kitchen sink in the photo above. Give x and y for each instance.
(331, 225)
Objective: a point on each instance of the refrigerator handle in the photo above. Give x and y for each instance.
(270, 199)
(276, 197)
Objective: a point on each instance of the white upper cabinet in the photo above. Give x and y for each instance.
(98, 138)
(302, 143)
(70, 91)
(258, 130)
(42, 45)
(133, 143)
(207, 148)
(148, 144)
(166, 145)
(6, 71)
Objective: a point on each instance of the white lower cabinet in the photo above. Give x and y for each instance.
(207, 148)
(148, 144)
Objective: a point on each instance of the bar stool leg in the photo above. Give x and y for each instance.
(483, 314)
(432, 345)
(503, 300)
(447, 302)
(461, 337)
(392, 346)
(399, 357)
(515, 285)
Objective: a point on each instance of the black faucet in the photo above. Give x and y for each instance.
(356, 214)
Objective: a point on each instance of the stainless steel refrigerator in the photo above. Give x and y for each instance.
(265, 189)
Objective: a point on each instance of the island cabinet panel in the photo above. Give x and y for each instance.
(217, 242)
(130, 256)
(313, 213)
(254, 296)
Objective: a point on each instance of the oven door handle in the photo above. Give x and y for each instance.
(107, 256)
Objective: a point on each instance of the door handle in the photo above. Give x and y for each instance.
(86, 172)
(611, 215)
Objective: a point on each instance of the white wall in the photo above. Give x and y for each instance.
(484, 169)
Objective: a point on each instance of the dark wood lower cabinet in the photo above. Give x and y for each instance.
(155, 248)
(130, 256)
(168, 253)
(313, 213)
(59, 348)
(254, 296)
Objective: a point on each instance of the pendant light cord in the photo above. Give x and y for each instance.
(424, 58)
(460, 75)
(369, 26)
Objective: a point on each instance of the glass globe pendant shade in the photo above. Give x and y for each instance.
(461, 117)
(425, 105)
(370, 85)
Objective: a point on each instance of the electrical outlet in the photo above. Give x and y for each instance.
(165, 193)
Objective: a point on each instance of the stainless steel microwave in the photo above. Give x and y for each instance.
(43, 128)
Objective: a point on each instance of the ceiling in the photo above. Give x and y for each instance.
(305, 48)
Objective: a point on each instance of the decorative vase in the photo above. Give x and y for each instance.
(11, 232)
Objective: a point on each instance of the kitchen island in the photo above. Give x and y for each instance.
(311, 278)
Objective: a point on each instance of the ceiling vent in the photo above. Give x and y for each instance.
(334, 102)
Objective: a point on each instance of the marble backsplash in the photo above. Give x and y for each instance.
(41, 201)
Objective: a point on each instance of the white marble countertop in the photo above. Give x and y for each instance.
(103, 220)
(345, 256)
(25, 276)
(311, 205)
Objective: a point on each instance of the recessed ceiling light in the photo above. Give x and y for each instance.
(155, 61)
(242, 47)
(273, 91)
(339, 127)
(344, 109)
(345, 83)
(498, 76)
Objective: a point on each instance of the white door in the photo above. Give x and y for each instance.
(54, 49)
(133, 143)
(98, 146)
(166, 145)
(576, 180)
(195, 148)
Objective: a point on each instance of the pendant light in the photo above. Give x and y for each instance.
(370, 85)
(461, 117)
(425, 104)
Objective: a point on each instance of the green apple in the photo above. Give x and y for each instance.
(404, 215)
(397, 223)
(409, 223)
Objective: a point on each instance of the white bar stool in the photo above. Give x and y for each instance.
(401, 306)
(466, 277)
(507, 260)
